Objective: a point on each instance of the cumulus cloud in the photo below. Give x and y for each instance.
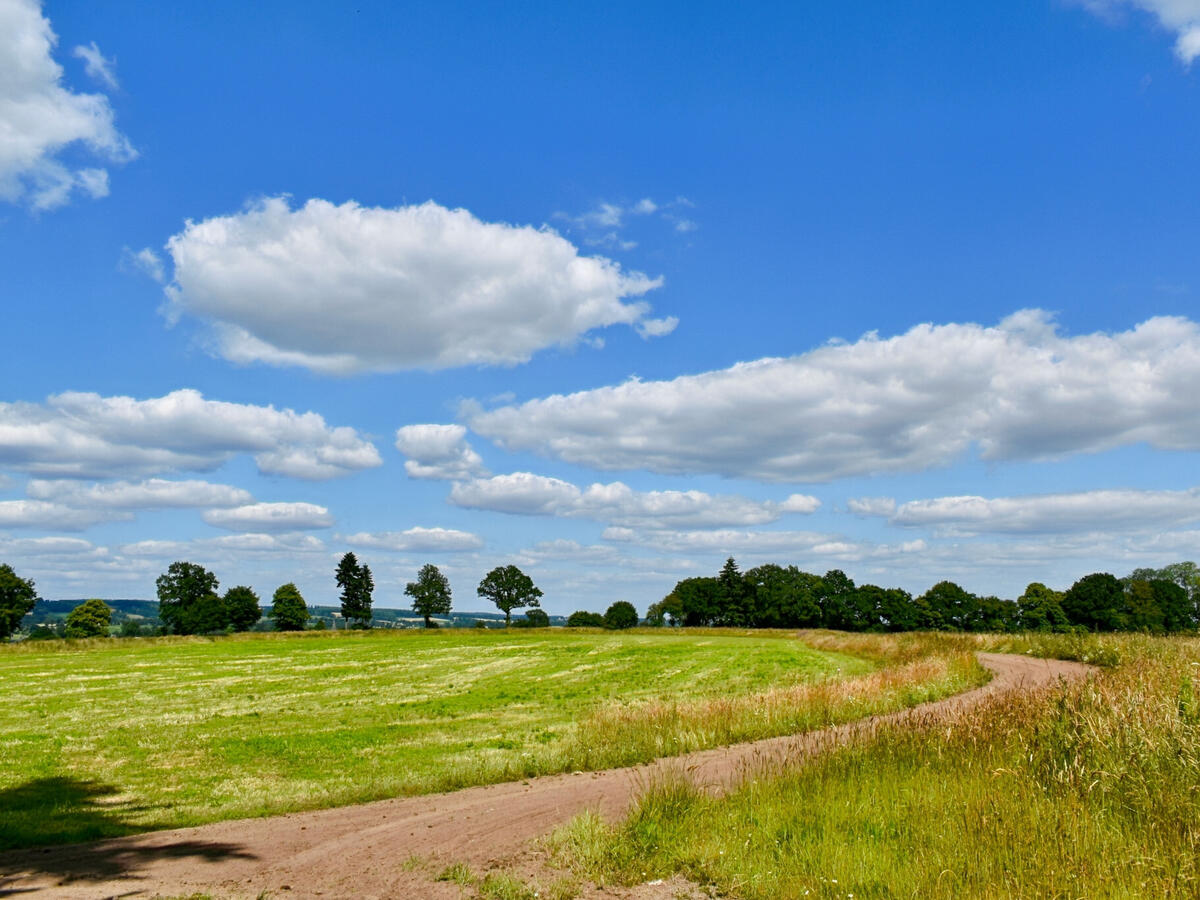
(1115, 510)
(1016, 390)
(1182, 17)
(439, 452)
(54, 516)
(154, 493)
(430, 539)
(84, 435)
(40, 118)
(97, 65)
(525, 493)
(270, 517)
(342, 289)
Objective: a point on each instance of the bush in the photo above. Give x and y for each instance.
(479, 623)
(621, 615)
(584, 619)
(535, 618)
(130, 628)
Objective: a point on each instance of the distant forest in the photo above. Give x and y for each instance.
(771, 596)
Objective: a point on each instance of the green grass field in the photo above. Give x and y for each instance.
(1091, 790)
(109, 737)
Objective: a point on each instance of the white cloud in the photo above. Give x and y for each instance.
(80, 435)
(1114, 510)
(652, 328)
(257, 542)
(804, 547)
(97, 65)
(611, 217)
(155, 548)
(525, 493)
(39, 118)
(155, 493)
(871, 506)
(1179, 16)
(438, 451)
(270, 517)
(1017, 390)
(56, 516)
(341, 289)
(145, 261)
(50, 546)
(430, 539)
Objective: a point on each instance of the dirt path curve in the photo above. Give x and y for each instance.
(361, 851)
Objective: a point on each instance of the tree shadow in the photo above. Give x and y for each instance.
(60, 810)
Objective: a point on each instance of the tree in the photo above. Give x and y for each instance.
(537, 618)
(621, 615)
(836, 599)
(955, 608)
(289, 610)
(17, 598)
(1097, 602)
(186, 593)
(1177, 607)
(1040, 609)
(667, 611)
(784, 598)
(430, 593)
(241, 605)
(509, 588)
(357, 584)
(583, 619)
(1142, 612)
(89, 619)
(735, 597)
(699, 600)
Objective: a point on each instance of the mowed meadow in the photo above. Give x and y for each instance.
(110, 737)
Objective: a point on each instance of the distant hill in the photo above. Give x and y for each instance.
(46, 612)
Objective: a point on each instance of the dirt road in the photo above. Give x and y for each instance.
(361, 851)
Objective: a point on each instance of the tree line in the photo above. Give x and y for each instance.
(1165, 600)
(190, 602)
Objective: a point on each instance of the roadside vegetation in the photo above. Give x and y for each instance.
(1086, 790)
(110, 736)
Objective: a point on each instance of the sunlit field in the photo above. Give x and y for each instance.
(1085, 790)
(111, 736)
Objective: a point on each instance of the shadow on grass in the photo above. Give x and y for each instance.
(69, 811)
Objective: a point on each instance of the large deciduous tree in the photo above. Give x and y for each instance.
(89, 619)
(357, 584)
(621, 615)
(17, 598)
(188, 601)
(1097, 602)
(241, 605)
(288, 609)
(509, 588)
(430, 593)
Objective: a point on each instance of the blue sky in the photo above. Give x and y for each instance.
(608, 291)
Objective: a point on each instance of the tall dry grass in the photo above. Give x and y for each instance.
(1083, 790)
